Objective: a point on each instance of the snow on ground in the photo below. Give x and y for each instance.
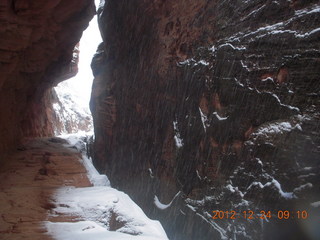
(96, 208)
(77, 140)
(101, 212)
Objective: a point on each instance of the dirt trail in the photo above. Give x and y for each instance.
(28, 179)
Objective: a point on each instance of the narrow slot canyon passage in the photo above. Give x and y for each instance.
(73, 95)
(202, 120)
(49, 188)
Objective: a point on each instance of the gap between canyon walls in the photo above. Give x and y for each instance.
(36, 49)
(71, 105)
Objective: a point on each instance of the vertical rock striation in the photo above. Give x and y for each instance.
(36, 52)
(216, 99)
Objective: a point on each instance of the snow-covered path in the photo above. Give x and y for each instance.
(48, 191)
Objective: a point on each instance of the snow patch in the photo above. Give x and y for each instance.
(94, 176)
(177, 138)
(288, 106)
(150, 172)
(204, 119)
(187, 62)
(275, 183)
(303, 187)
(315, 204)
(192, 61)
(77, 141)
(259, 162)
(237, 81)
(232, 46)
(94, 207)
(212, 49)
(192, 208)
(202, 62)
(307, 168)
(268, 79)
(276, 28)
(220, 118)
(234, 189)
(314, 31)
(316, 9)
(164, 206)
(268, 131)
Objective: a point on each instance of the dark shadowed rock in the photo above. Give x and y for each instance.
(217, 99)
(37, 42)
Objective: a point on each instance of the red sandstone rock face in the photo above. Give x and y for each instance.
(37, 39)
(258, 92)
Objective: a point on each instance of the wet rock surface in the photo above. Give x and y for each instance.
(218, 100)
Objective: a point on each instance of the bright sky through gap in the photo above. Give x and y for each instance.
(80, 85)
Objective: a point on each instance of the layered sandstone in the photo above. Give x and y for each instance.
(216, 99)
(36, 52)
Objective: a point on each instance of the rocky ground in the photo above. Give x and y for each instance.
(49, 190)
(28, 179)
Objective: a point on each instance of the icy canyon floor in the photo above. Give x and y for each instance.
(50, 191)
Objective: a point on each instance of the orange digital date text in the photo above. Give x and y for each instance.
(281, 214)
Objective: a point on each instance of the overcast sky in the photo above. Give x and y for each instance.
(82, 82)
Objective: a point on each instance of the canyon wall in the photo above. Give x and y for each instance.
(217, 101)
(37, 40)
